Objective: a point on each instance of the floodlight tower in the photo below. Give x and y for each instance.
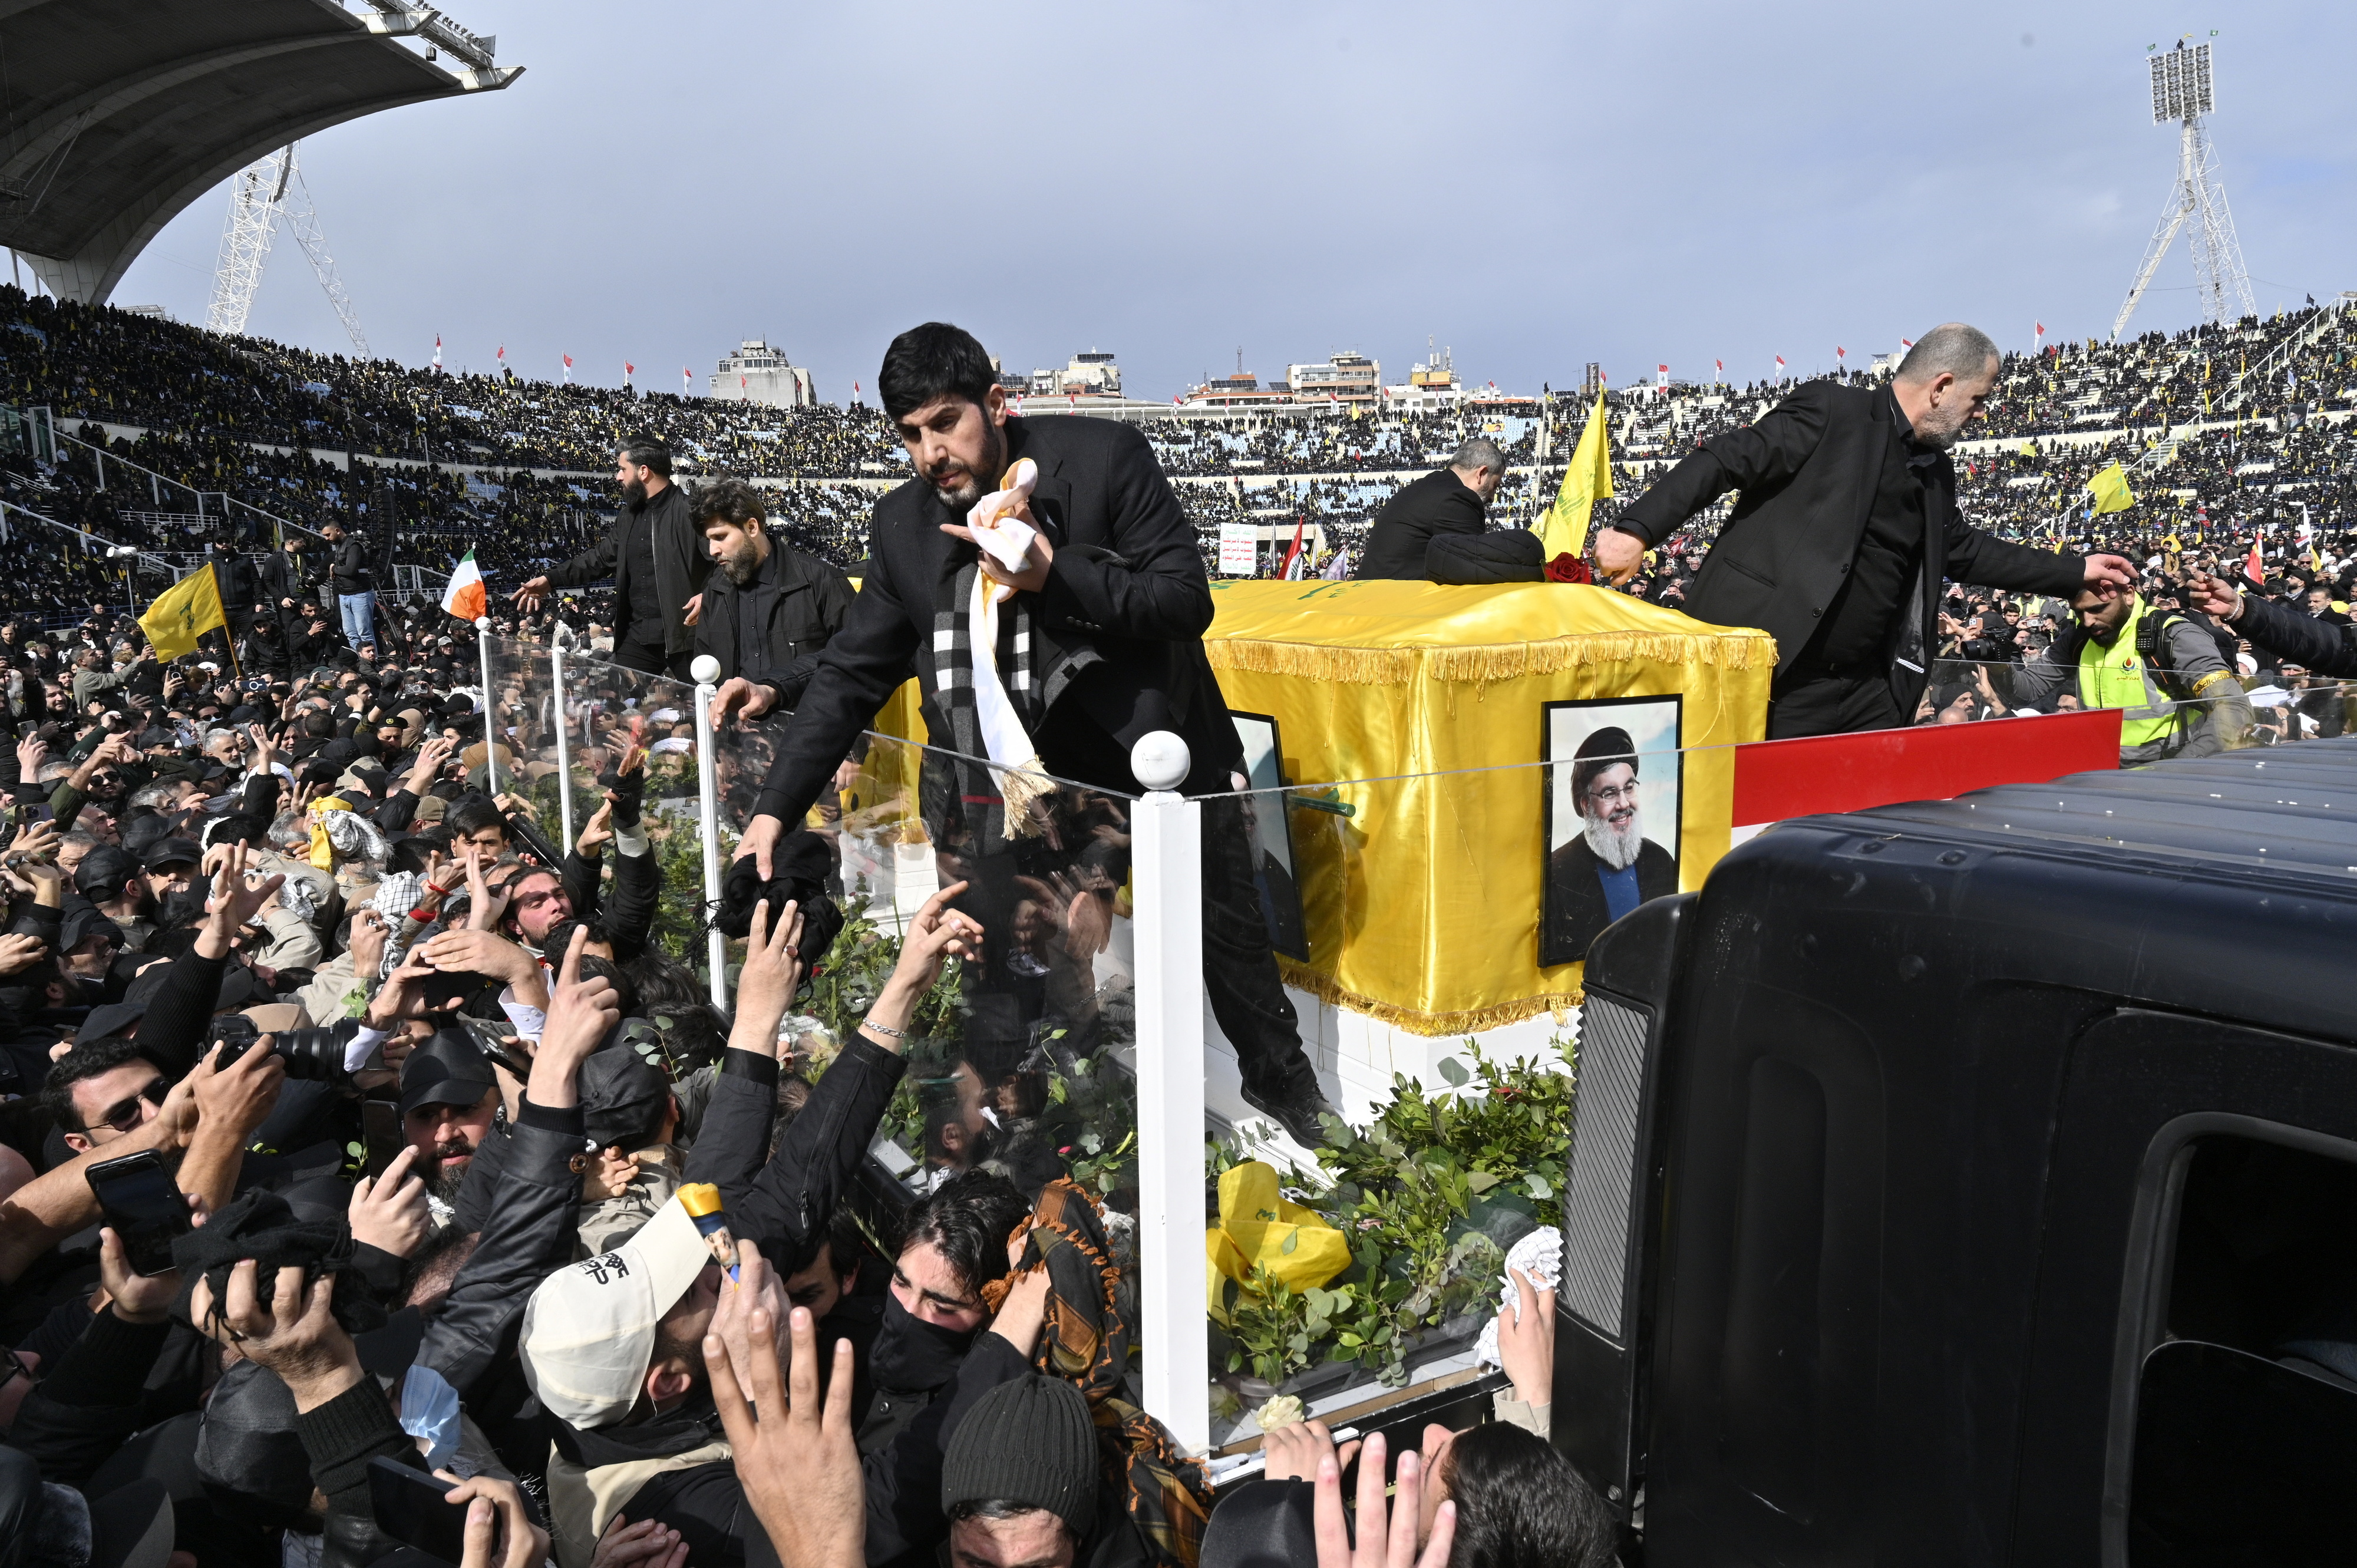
(2181, 92)
(263, 191)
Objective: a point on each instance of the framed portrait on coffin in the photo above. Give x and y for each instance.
(1271, 835)
(1612, 798)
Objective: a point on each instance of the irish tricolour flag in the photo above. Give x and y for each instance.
(466, 599)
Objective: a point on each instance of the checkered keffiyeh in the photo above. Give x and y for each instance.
(1016, 781)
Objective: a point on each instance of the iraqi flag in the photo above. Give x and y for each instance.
(466, 597)
(2254, 566)
(1294, 561)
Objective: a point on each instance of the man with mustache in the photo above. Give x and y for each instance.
(1612, 866)
(1107, 619)
(448, 1098)
(768, 608)
(1846, 529)
(654, 555)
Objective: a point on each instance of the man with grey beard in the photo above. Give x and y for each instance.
(1846, 529)
(1611, 867)
(768, 608)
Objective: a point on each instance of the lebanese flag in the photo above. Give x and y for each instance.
(628, 370)
(1907, 342)
(1292, 573)
(688, 381)
(502, 356)
(1779, 364)
(1840, 353)
(466, 597)
(568, 367)
(2254, 566)
(437, 353)
(2040, 328)
(1719, 370)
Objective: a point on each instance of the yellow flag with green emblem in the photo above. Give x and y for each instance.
(2111, 490)
(191, 606)
(1564, 531)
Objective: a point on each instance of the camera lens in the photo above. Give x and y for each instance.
(317, 1055)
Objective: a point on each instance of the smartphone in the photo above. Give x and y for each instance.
(409, 1508)
(144, 1206)
(381, 1134)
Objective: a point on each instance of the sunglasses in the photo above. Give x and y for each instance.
(126, 1118)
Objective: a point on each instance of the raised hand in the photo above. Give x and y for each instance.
(797, 1462)
(581, 1013)
(772, 974)
(293, 1331)
(1382, 1545)
(236, 898)
(390, 1212)
(19, 953)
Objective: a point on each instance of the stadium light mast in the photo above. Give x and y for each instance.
(261, 193)
(2181, 92)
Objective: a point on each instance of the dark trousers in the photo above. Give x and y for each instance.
(1011, 997)
(1240, 967)
(1805, 701)
(648, 658)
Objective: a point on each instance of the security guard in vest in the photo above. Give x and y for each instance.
(2162, 669)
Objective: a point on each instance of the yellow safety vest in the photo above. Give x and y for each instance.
(2117, 677)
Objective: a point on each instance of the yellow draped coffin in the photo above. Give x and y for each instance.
(1426, 707)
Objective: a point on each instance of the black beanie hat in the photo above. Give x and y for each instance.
(1030, 1442)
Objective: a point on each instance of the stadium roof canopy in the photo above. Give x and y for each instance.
(117, 113)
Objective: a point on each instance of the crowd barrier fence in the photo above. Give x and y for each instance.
(1077, 1045)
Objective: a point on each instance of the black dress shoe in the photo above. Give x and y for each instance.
(1302, 1116)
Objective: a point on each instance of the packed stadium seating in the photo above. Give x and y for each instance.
(2227, 432)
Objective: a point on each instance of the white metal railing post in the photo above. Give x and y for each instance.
(1168, 889)
(557, 717)
(491, 730)
(706, 670)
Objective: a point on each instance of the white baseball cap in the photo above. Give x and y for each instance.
(589, 1329)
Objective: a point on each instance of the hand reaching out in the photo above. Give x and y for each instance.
(19, 953)
(1526, 1341)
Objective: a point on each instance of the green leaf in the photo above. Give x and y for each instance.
(1454, 1071)
(1481, 1181)
(1292, 1241)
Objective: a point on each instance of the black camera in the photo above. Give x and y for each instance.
(312, 1055)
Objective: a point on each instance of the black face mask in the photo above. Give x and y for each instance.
(911, 1355)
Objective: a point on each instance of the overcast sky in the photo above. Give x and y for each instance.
(1534, 185)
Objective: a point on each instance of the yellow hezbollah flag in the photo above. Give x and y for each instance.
(188, 606)
(2111, 490)
(1586, 482)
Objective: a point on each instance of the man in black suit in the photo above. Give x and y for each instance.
(1117, 601)
(1611, 867)
(1451, 501)
(1846, 529)
(655, 557)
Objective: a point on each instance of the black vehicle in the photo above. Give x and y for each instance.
(1975, 1182)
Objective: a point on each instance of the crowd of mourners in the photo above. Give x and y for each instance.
(374, 1178)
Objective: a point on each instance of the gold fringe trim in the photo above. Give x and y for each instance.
(1024, 790)
(1482, 664)
(1326, 988)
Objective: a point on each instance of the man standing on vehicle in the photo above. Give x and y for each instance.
(1846, 529)
(1118, 602)
(655, 557)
